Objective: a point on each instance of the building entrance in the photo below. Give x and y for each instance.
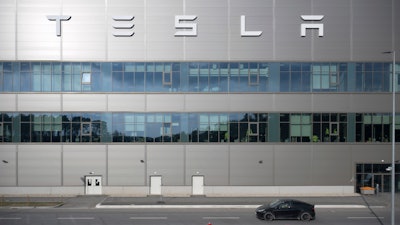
(376, 175)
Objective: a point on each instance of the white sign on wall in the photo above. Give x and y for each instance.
(186, 26)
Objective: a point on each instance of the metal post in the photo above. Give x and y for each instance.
(393, 136)
(393, 171)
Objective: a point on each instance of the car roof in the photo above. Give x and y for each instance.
(293, 200)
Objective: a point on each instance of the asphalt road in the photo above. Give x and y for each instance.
(60, 216)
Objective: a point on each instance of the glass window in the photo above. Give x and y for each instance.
(86, 78)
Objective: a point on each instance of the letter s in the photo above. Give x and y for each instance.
(192, 32)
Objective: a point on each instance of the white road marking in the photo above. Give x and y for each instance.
(149, 218)
(221, 218)
(10, 218)
(366, 217)
(75, 218)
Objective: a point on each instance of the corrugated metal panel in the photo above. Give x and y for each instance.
(8, 165)
(252, 165)
(126, 165)
(39, 165)
(167, 161)
(8, 30)
(293, 165)
(212, 161)
(80, 160)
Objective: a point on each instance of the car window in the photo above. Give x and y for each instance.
(284, 205)
(275, 203)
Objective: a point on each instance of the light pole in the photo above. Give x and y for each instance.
(393, 132)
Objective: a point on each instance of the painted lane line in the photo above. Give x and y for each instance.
(221, 218)
(75, 218)
(149, 218)
(10, 218)
(360, 217)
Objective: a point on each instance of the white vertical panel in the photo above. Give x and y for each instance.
(126, 165)
(36, 35)
(127, 48)
(81, 160)
(39, 165)
(160, 30)
(8, 102)
(211, 161)
(213, 30)
(168, 161)
(7, 29)
(8, 165)
(84, 36)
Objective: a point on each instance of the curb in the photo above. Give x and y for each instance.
(133, 206)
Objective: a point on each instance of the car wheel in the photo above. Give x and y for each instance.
(269, 216)
(305, 216)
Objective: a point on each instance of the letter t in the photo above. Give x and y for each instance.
(58, 20)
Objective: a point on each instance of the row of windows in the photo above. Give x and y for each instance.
(197, 127)
(194, 77)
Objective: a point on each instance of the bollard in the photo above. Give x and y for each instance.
(209, 223)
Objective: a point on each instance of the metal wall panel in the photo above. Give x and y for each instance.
(293, 164)
(259, 17)
(160, 29)
(165, 102)
(8, 165)
(7, 29)
(289, 45)
(39, 102)
(126, 48)
(212, 161)
(8, 102)
(331, 165)
(81, 160)
(337, 41)
(213, 30)
(252, 165)
(371, 30)
(36, 35)
(206, 103)
(84, 102)
(126, 165)
(354, 30)
(84, 35)
(285, 102)
(126, 102)
(39, 165)
(167, 161)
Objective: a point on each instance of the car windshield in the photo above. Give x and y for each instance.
(275, 203)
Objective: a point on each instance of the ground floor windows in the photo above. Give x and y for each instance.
(233, 127)
(377, 175)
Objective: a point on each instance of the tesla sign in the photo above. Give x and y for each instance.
(186, 25)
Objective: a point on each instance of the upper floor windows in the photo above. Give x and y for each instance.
(205, 77)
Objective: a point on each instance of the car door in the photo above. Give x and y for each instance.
(284, 211)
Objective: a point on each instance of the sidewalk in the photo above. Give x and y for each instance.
(106, 202)
(382, 201)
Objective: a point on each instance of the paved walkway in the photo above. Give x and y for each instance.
(102, 201)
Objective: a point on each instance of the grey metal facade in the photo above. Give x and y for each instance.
(355, 31)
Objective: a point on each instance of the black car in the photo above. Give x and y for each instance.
(286, 209)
